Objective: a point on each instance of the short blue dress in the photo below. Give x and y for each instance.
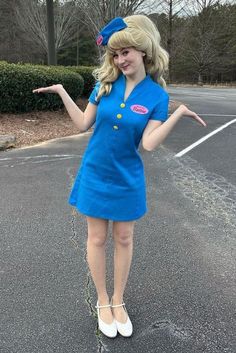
(110, 183)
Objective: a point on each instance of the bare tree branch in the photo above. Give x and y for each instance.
(31, 17)
(98, 12)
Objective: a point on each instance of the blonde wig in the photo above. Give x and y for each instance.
(141, 34)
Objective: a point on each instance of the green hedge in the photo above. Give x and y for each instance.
(17, 82)
(86, 73)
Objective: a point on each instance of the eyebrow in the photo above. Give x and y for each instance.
(122, 49)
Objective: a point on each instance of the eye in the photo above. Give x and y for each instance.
(125, 52)
(115, 56)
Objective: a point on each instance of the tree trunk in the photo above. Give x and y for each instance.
(200, 82)
(51, 36)
(169, 40)
(77, 47)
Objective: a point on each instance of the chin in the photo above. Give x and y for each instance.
(128, 72)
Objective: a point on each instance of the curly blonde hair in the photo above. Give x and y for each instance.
(142, 34)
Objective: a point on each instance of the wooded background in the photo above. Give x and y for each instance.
(200, 35)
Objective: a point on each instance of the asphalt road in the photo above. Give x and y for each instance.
(181, 293)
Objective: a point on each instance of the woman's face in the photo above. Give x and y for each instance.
(129, 60)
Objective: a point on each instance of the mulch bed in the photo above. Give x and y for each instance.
(34, 127)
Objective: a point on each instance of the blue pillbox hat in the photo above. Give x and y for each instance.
(113, 26)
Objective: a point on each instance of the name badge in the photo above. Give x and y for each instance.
(139, 109)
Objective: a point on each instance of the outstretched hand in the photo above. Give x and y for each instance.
(49, 89)
(187, 112)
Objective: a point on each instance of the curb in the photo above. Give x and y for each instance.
(38, 144)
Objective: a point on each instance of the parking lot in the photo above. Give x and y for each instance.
(181, 292)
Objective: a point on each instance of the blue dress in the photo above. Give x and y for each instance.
(110, 183)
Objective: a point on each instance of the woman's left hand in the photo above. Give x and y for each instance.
(186, 112)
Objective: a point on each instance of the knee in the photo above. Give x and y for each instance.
(96, 239)
(123, 237)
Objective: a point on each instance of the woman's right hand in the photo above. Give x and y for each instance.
(49, 89)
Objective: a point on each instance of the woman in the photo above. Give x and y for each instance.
(128, 104)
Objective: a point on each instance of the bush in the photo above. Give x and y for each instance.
(86, 73)
(17, 82)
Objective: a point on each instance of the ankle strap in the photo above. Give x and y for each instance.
(118, 305)
(102, 306)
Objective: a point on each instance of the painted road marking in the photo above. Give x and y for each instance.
(189, 148)
(198, 95)
(17, 161)
(40, 156)
(204, 96)
(211, 194)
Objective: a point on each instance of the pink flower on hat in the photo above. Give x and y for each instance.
(99, 39)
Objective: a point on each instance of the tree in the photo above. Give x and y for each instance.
(97, 13)
(81, 51)
(15, 43)
(204, 34)
(170, 12)
(31, 16)
(50, 34)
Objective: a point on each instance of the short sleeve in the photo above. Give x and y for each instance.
(160, 111)
(93, 95)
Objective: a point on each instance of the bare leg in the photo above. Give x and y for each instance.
(123, 243)
(96, 243)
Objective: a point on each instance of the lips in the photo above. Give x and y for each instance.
(124, 67)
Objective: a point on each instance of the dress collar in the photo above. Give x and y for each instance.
(136, 88)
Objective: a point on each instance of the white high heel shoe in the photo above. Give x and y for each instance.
(124, 329)
(109, 330)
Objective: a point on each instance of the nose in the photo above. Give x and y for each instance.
(120, 59)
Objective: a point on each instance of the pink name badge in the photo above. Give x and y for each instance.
(140, 109)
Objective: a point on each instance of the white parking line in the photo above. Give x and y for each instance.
(189, 148)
